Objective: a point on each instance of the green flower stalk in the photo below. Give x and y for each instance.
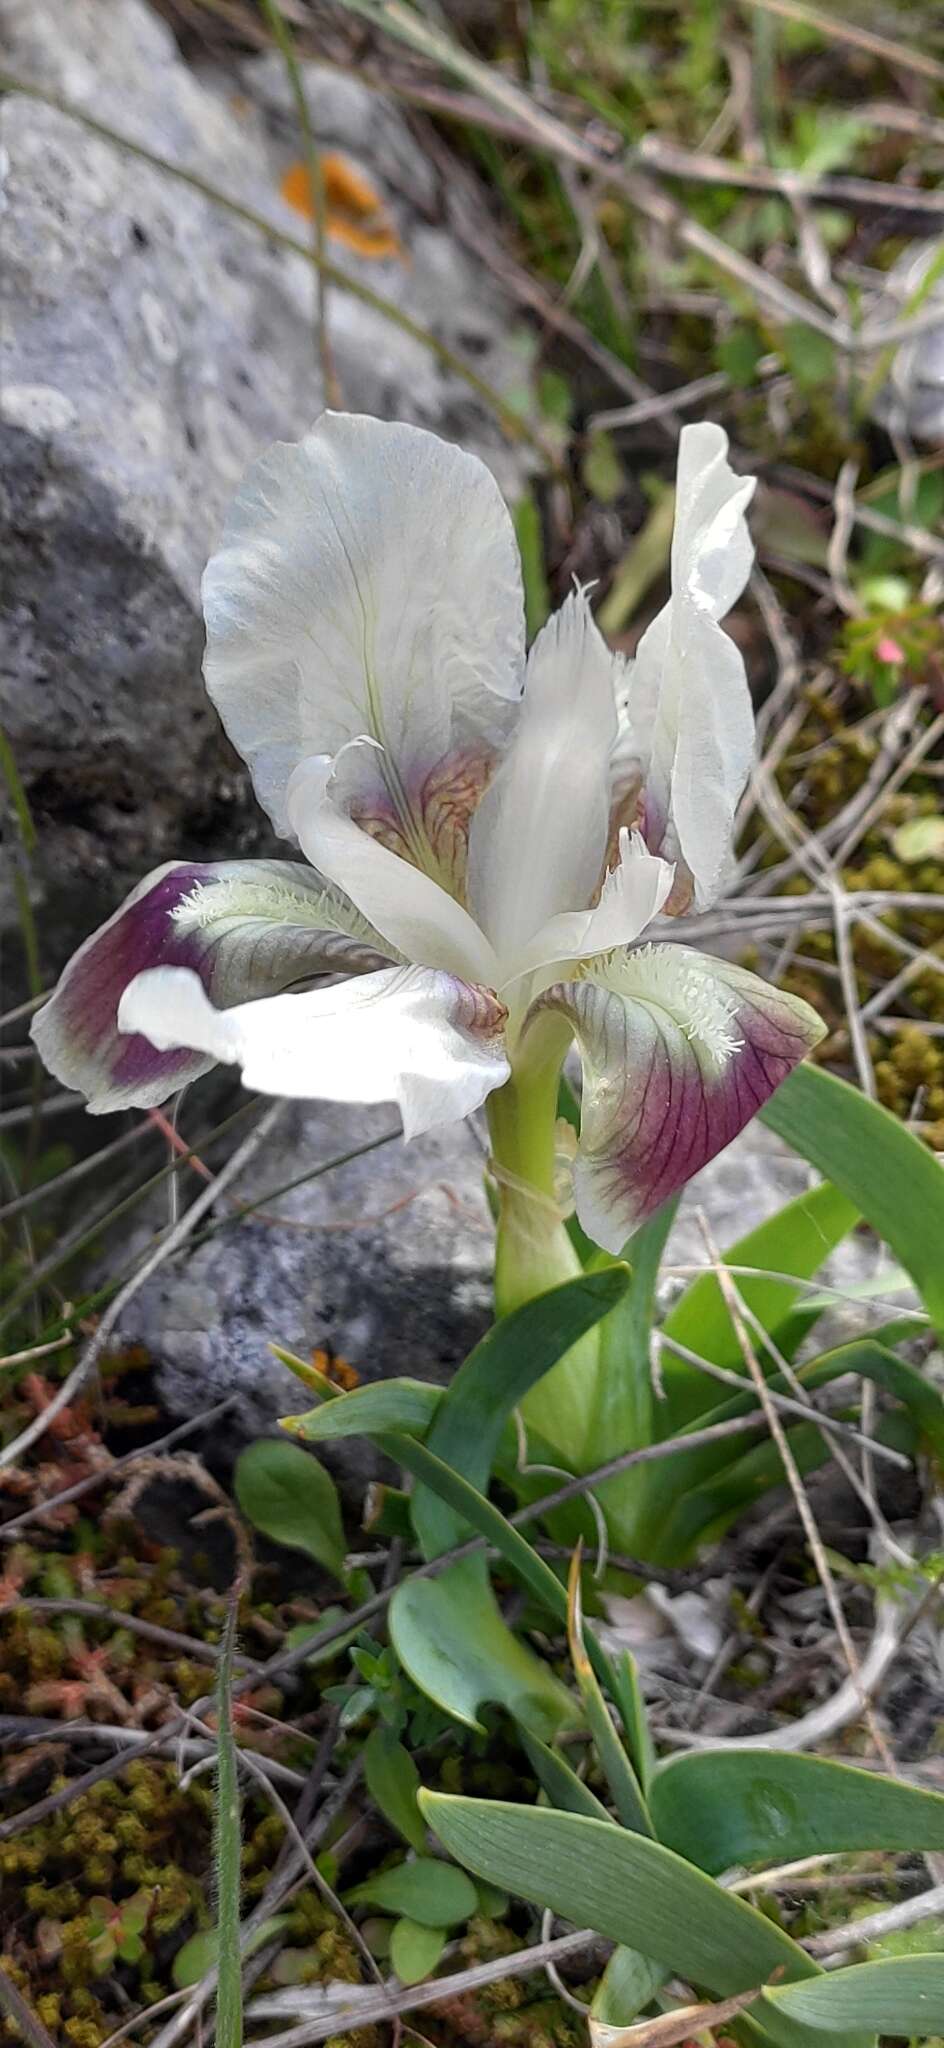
(497, 850)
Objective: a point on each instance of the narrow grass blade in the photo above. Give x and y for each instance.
(615, 1764)
(227, 1849)
(563, 1787)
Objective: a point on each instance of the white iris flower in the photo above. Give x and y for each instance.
(488, 838)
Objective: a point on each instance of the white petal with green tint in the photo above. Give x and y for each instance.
(686, 716)
(247, 928)
(679, 1051)
(538, 838)
(426, 1041)
(367, 583)
(632, 895)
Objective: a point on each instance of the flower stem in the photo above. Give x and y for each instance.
(533, 1251)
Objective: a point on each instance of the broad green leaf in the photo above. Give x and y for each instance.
(904, 1995)
(393, 1782)
(415, 1950)
(388, 1404)
(488, 1520)
(796, 1240)
(511, 1358)
(452, 1640)
(724, 1807)
(614, 1762)
(629, 1982)
(562, 1785)
(449, 1633)
(877, 1163)
(623, 1885)
(291, 1498)
(433, 1893)
(633, 1890)
(705, 1513)
(199, 1954)
(873, 1360)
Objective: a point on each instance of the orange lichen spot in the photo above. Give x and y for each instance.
(337, 1370)
(355, 213)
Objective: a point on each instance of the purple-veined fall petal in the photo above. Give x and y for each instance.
(679, 1052)
(246, 928)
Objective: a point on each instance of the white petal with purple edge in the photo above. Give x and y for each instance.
(247, 928)
(679, 1052)
(538, 839)
(367, 583)
(426, 1041)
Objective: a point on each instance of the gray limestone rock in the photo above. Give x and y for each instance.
(152, 345)
(384, 1262)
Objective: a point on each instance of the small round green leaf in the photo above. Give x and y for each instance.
(284, 1492)
(199, 1954)
(433, 1893)
(415, 1950)
(393, 1782)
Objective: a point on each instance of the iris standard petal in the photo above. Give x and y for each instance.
(368, 582)
(427, 1041)
(246, 928)
(538, 839)
(419, 918)
(686, 732)
(632, 895)
(679, 1052)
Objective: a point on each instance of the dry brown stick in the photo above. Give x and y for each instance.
(839, 31)
(655, 153)
(395, 2000)
(802, 1406)
(166, 1638)
(548, 133)
(858, 1038)
(25, 2020)
(907, 1913)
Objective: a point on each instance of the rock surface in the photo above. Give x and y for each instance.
(153, 344)
(386, 1262)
